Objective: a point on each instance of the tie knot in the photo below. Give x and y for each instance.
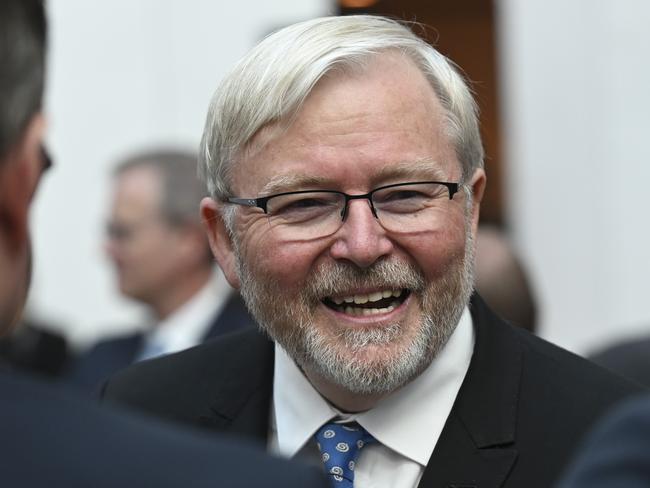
(340, 445)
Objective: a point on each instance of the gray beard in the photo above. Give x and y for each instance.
(338, 358)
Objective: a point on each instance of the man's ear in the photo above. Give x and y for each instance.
(478, 189)
(13, 228)
(20, 171)
(220, 240)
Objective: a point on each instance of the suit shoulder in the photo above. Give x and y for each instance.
(211, 356)
(545, 366)
(564, 367)
(552, 383)
(187, 380)
(107, 448)
(109, 345)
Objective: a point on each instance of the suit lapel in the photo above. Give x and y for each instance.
(243, 389)
(476, 447)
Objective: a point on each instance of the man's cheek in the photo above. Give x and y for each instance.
(288, 262)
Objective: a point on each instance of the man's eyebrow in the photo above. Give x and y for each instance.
(424, 168)
(406, 170)
(284, 183)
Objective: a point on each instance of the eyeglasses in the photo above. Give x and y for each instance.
(46, 159)
(310, 214)
(46, 164)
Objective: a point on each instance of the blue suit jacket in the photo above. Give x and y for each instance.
(49, 437)
(110, 356)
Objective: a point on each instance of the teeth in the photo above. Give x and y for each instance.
(368, 311)
(375, 311)
(375, 297)
(371, 297)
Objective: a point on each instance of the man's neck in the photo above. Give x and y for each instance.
(341, 398)
(14, 282)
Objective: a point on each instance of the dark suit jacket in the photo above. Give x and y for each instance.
(51, 438)
(617, 453)
(109, 356)
(522, 408)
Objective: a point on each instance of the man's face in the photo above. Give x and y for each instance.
(143, 247)
(20, 175)
(354, 133)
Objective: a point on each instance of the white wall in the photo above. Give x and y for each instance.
(124, 75)
(577, 125)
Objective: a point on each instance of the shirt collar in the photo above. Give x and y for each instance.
(409, 421)
(186, 326)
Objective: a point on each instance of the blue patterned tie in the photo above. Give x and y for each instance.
(340, 445)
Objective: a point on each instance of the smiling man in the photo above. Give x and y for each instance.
(345, 169)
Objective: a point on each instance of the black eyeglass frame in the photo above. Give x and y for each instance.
(261, 202)
(46, 159)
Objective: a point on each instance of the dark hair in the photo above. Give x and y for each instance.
(23, 34)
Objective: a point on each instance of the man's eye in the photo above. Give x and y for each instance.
(403, 196)
(406, 194)
(118, 232)
(306, 205)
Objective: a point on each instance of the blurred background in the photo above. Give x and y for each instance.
(563, 90)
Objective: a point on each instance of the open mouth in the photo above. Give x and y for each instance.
(377, 302)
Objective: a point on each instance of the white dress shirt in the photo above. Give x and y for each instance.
(406, 424)
(187, 326)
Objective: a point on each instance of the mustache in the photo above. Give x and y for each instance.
(335, 278)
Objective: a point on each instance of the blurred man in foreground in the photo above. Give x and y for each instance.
(345, 169)
(162, 260)
(48, 438)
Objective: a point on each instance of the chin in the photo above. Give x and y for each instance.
(367, 361)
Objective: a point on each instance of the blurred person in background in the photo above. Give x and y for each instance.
(501, 279)
(629, 358)
(47, 436)
(162, 259)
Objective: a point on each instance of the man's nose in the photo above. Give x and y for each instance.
(108, 246)
(361, 239)
(111, 246)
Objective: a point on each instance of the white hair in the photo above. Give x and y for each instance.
(270, 84)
